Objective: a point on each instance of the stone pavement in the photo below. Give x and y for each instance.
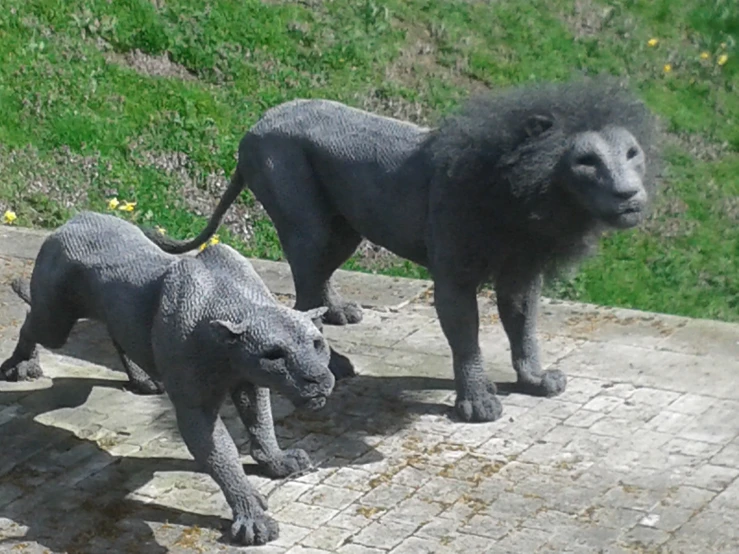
(640, 454)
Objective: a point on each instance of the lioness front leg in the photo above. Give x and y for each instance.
(456, 306)
(518, 304)
(254, 407)
(208, 441)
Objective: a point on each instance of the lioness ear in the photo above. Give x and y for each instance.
(228, 330)
(538, 124)
(316, 313)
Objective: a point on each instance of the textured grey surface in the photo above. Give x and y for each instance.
(640, 454)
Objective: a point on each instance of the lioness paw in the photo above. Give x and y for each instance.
(26, 370)
(287, 463)
(254, 530)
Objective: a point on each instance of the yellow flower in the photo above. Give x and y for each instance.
(9, 217)
(722, 59)
(161, 230)
(213, 240)
(127, 206)
(667, 68)
(653, 42)
(113, 203)
(705, 55)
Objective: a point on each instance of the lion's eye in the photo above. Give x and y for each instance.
(632, 153)
(318, 344)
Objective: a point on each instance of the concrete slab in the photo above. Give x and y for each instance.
(640, 454)
(375, 291)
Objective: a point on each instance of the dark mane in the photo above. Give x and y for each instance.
(497, 151)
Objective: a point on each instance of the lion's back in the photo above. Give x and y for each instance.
(328, 126)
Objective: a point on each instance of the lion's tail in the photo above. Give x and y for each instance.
(174, 246)
(22, 287)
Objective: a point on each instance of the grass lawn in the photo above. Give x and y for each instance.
(146, 101)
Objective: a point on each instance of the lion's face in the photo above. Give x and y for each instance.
(604, 171)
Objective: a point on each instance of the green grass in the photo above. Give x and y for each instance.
(79, 125)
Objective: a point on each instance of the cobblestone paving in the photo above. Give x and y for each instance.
(640, 454)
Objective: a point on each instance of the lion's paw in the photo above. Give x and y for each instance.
(343, 313)
(478, 406)
(254, 529)
(551, 383)
(25, 370)
(287, 463)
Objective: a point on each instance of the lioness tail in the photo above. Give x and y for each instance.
(174, 246)
(22, 287)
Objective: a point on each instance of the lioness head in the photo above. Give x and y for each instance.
(282, 349)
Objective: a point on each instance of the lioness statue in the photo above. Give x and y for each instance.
(205, 327)
(514, 186)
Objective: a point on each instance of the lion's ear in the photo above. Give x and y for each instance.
(538, 124)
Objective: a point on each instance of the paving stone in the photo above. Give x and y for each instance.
(644, 537)
(414, 510)
(359, 549)
(299, 549)
(328, 538)
(486, 526)
(384, 534)
(330, 497)
(305, 514)
(728, 455)
(416, 545)
(524, 540)
(711, 530)
(729, 497)
(355, 517)
(386, 495)
(290, 535)
(712, 477)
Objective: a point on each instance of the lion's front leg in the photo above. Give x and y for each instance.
(518, 304)
(456, 306)
(208, 441)
(254, 407)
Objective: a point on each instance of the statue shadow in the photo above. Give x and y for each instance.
(67, 493)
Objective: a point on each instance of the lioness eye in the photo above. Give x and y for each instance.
(273, 354)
